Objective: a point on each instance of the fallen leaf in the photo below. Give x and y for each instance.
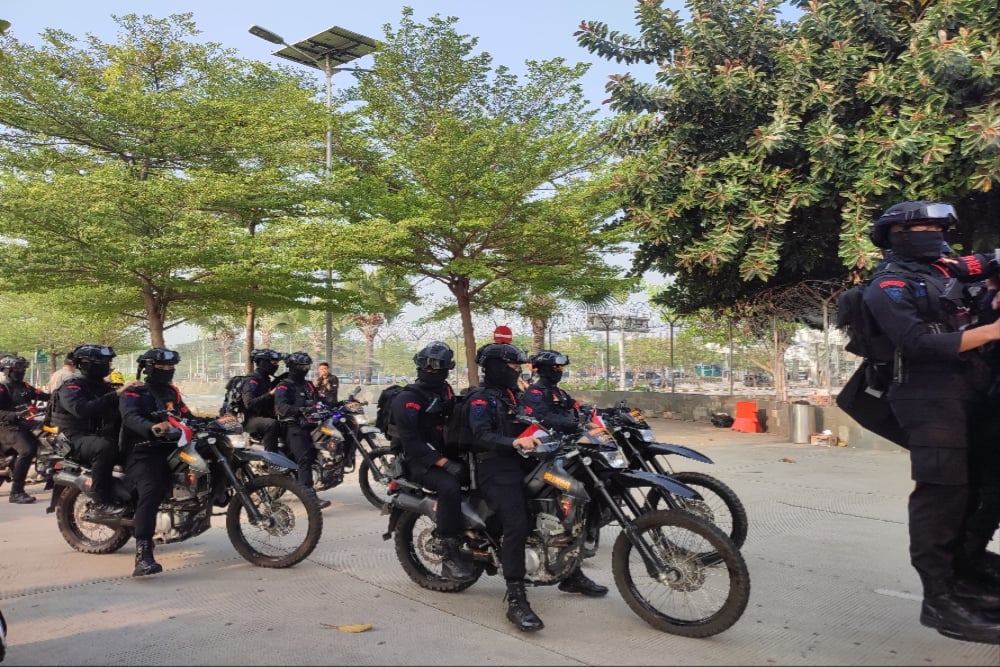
(788, 460)
(354, 627)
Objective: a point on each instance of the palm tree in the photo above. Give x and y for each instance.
(382, 295)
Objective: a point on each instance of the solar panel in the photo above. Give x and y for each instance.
(340, 44)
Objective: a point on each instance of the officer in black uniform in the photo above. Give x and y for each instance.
(499, 468)
(16, 396)
(258, 398)
(144, 425)
(85, 408)
(556, 410)
(419, 412)
(293, 398)
(923, 303)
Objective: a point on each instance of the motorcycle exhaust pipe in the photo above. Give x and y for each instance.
(427, 506)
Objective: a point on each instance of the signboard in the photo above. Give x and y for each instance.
(608, 322)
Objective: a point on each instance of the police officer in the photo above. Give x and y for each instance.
(85, 409)
(556, 410)
(499, 471)
(294, 396)
(419, 412)
(939, 378)
(16, 396)
(147, 446)
(257, 393)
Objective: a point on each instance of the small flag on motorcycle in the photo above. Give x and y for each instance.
(533, 430)
(186, 433)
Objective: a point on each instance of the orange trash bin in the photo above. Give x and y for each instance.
(746, 418)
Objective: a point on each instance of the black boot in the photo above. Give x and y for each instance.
(455, 565)
(952, 616)
(19, 497)
(144, 563)
(578, 582)
(319, 501)
(518, 611)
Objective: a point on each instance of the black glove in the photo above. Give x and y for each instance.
(455, 469)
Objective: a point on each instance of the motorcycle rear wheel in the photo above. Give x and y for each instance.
(719, 505)
(419, 552)
(83, 535)
(292, 528)
(702, 597)
(375, 491)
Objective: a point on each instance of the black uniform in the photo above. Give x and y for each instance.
(86, 411)
(419, 413)
(922, 307)
(259, 406)
(500, 471)
(146, 459)
(291, 399)
(15, 432)
(551, 405)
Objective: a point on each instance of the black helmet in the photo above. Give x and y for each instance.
(298, 359)
(435, 355)
(549, 358)
(158, 355)
(12, 361)
(502, 351)
(266, 355)
(97, 353)
(911, 213)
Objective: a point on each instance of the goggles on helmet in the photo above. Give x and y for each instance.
(932, 212)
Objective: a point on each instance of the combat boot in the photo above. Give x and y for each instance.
(578, 582)
(19, 497)
(519, 612)
(144, 563)
(455, 565)
(319, 501)
(951, 616)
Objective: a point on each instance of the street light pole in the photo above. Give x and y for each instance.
(345, 46)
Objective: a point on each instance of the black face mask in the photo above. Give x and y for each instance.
(268, 368)
(917, 245)
(499, 374)
(297, 374)
(549, 374)
(16, 374)
(97, 370)
(159, 376)
(432, 378)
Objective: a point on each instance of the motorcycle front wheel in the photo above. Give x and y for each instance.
(83, 535)
(291, 522)
(692, 596)
(375, 490)
(719, 504)
(420, 552)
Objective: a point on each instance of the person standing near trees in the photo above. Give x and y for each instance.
(65, 372)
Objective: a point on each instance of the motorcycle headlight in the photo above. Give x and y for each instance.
(238, 441)
(360, 420)
(616, 459)
(647, 435)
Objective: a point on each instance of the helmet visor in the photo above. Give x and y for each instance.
(932, 212)
(436, 364)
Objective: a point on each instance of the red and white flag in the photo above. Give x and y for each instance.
(186, 433)
(533, 430)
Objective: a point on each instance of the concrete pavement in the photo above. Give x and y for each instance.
(827, 553)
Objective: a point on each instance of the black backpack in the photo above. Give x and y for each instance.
(383, 408)
(458, 436)
(232, 402)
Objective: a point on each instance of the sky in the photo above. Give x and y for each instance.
(511, 31)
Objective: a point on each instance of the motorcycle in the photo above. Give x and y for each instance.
(271, 520)
(50, 451)
(676, 571)
(340, 432)
(718, 503)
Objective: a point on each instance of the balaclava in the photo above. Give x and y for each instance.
(549, 373)
(917, 245)
(499, 374)
(96, 370)
(297, 372)
(432, 378)
(159, 376)
(16, 374)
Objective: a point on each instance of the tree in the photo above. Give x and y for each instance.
(381, 296)
(154, 171)
(489, 185)
(764, 149)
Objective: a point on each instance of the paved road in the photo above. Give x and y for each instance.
(831, 585)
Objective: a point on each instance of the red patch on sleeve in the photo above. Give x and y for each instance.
(892, 283)
(536, 391)
(412, 405)
(478, 401)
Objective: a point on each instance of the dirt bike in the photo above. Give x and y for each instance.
(50, 450)
(339, 433)
(679, 573)
(717, 503)
(271, 520)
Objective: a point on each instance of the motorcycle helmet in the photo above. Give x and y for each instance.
(436, 355)
(14, 367)
(161, 356)
(548, 358)
(266, 360)
(298, 364)
(502, 351)
(909, 213)
(94, 361)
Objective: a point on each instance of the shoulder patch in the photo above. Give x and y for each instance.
(893, 288)
(478, 401)
(412, 405)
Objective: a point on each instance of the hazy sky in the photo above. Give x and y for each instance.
(512, 31)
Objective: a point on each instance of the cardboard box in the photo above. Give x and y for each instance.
(824, 440)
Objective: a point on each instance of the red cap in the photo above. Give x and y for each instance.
(502, 334)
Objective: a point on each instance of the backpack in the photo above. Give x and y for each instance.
(458, 435)
(232, 402)
(383, 408)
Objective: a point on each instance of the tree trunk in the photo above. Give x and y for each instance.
(461, 293)
(538, 326)
(155, 311)
(250, 324)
